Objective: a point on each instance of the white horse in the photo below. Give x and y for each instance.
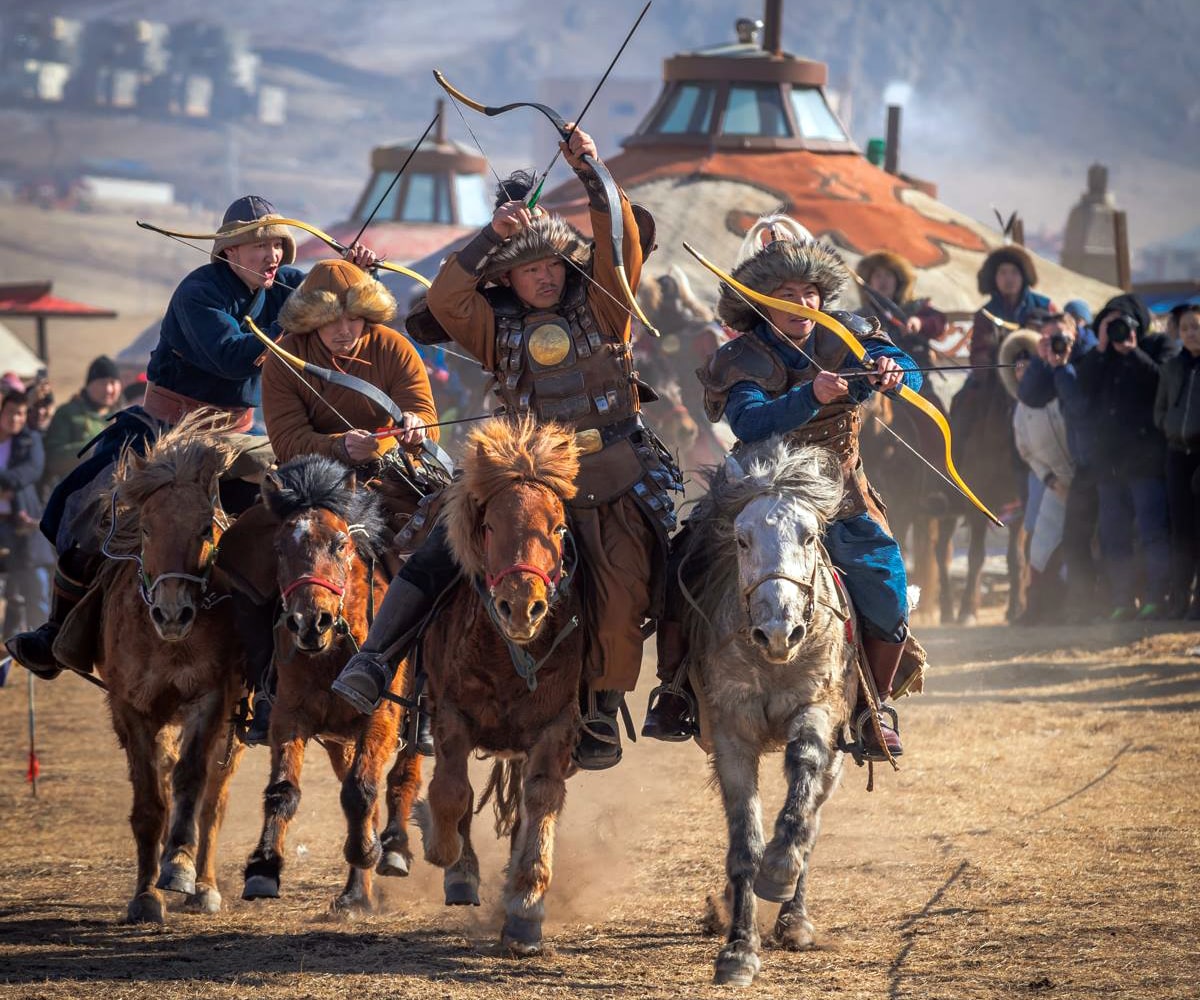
(773, 669)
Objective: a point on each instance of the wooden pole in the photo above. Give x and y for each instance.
(1121, 246)
(43, 347)
(891, 155)
(1018, 231)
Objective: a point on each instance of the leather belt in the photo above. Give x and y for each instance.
(171, 407)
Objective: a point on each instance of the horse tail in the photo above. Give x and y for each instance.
(505, 783)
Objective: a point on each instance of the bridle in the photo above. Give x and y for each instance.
(340, 625)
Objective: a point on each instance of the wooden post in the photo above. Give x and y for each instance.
(1121, 247)
(43, 349)
(1018, 231)
(773, 27)
(891, 155)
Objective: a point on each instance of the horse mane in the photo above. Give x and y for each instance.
(194, 450)
(315, 482)
(498, 454)
(808, 474)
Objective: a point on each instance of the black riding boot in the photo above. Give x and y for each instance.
(255, 625)
(599, 745)
(410, 597)
(34, 650)
(671, 712)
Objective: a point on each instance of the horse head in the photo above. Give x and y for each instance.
(507, 519)
(778, 543)
(326, 523)
(171, 495)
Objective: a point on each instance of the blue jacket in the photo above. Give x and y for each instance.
(1043, 383)
(754, 415)
(202, 350)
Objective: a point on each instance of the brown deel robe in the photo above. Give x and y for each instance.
(614, 539)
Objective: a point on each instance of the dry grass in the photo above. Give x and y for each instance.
(1040, 840)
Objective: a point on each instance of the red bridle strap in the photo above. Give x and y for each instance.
(316, 581)
(550, 581)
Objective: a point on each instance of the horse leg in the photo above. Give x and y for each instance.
(944, 549)
(148, 817)
(207, 898)
(280, 801)
(975, 555)
(403, 784)
(925, 576)
(201, 733)
(360, 788)
(355, 898)
(1018, 570)
(737, 774)
(793, 929)
(461, 881)
(530, 868)
(450, 789)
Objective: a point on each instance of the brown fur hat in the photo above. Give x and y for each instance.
(334, 287)
(1011, 254)
(906, 276)
(546, 236)
(783, 260)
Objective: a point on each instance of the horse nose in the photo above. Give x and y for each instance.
(176, 620)
(320, 623)
(778, 641)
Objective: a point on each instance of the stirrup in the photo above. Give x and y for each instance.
(862, 726)
(604, 729)
(691, 719)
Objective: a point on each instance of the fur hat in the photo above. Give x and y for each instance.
(906, 276)
(546, 236)
(334, 287)
(1012, 347)
(783, 260)
(253, 208)
(1011, 254)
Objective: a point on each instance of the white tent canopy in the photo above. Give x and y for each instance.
(16, 357)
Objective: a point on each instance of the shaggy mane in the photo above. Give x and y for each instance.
(314, 482)
(498, 454)
(808, 474)
(193, 451)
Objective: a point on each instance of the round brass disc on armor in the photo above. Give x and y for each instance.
(549, 344)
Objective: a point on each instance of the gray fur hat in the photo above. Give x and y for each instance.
(546, 236)
(783, 260)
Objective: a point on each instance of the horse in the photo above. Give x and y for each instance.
(329, 546)
(773, 668)
(504, 660)
(981, 415)
(169, 658)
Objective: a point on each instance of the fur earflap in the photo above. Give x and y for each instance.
(1012, 347)
(331, 288)
(776, 263)
(1012, 254)
(906, 276)
(546, 236)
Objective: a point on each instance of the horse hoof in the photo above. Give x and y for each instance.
(206, 899)
(350, 905)
(795, 934)
(392, 863)
(176, 877)
(461, 888)
(736, 966)
(775, 885)
(261, 887)
(146, 908)
(967, 621)
(522, 936)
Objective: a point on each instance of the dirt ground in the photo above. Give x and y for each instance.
(1039, 841)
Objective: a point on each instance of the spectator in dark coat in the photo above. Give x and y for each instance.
(81, 418)
(25, 552)
(1177, 415)
(1116, 389)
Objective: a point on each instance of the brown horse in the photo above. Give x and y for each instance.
(169, 658)
(504, 658)
(330, 545)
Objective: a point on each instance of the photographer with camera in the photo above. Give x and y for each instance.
(1113, 393)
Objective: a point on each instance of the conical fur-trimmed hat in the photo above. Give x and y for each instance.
(546, 236)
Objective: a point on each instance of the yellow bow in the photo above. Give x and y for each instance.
(250, 227)
(860, 352)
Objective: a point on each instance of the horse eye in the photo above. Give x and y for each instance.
(338, 542)
(743, 542)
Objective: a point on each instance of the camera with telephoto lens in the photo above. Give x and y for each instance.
(1120, 328)
(1059, 343)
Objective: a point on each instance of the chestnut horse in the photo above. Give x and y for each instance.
(169, 658)
(504, 658)
(330, 545)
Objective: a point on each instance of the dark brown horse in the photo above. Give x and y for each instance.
(329, 546)
(504, 658)
(170, 660)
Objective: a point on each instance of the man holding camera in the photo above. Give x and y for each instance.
(1108, 397)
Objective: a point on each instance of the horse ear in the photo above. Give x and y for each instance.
(271, 482)
(733, 468)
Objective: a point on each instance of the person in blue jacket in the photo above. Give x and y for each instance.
(780, 377)
(205, 357)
